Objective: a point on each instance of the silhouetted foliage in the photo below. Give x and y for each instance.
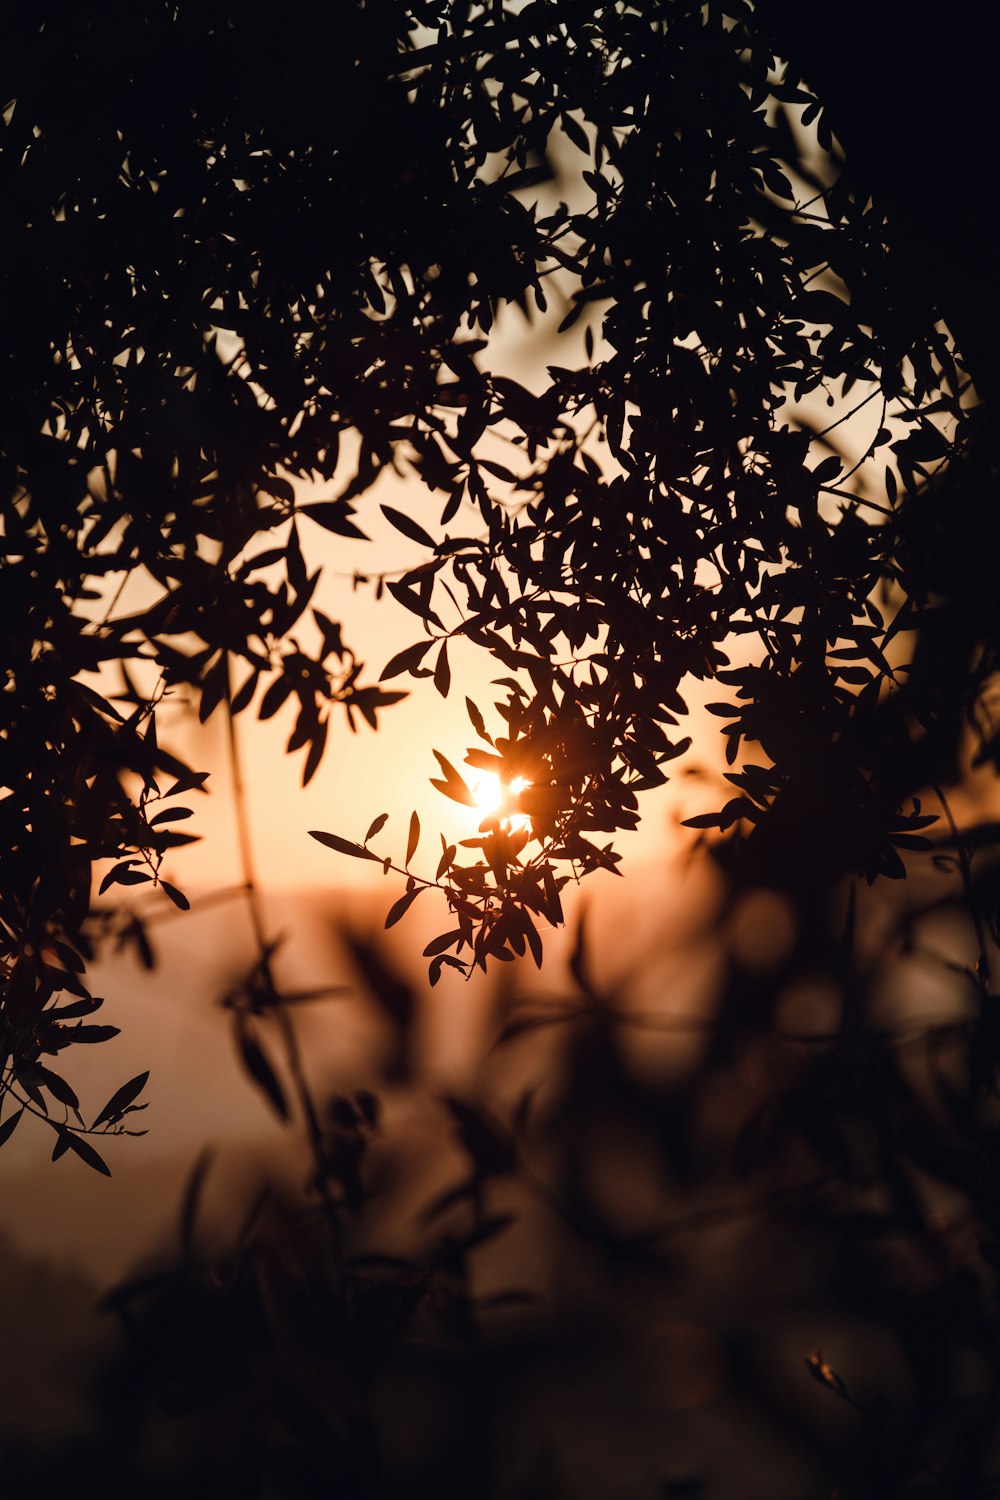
(217, 285)
(221, 281)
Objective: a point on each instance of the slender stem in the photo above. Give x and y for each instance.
(285, 1025)
(7, 1087)
(854, 411)
(240, 814)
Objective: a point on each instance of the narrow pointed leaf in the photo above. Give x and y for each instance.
(399, 908)
(86, 1152)
(377, 826)
(9, 1126)
(442, 672)
(342, 846)
(408, 526)
(122, 1097)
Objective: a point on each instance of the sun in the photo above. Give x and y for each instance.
(492, 797)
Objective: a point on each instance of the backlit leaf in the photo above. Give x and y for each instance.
(86, 1153)
(408, 526)
(413, 837)
(9, 1125)
(399, 908)
(342, 846)
(122, 1097)
(376, 827)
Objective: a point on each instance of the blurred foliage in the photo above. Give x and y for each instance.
(638, 1237)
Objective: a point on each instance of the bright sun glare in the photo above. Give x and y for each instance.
(492, 797)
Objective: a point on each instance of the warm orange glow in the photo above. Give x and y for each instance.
(493, 799)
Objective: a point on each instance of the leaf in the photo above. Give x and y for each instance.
(442, 671)
(405, 661)
(575, 133)
(177, 897)
(407, 526)
(57, 1087)
(499, 471)
(335, 516)
(533, 940)
(259, 1068)
(482, 760)
(114, 875)
(413, 837)
(453, 786)
(27, 1078)
(333, 644)
(910, 841)
(775, 179)
(399, 908)
(478, 722)
(86, 1152)
(444, 960)
(9, 1126)
(829, 469)
(264, 559)
(673, 751)
(89, 1034)
(439, 944)
(84, 1007)
(122, 1097)
(213, 688)
(342, 846)
(416, 601)
(187, 781)
(242, 697)
(703, 820)
(275, 696)
(170, 815)
(316, 747)
(376, 827)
